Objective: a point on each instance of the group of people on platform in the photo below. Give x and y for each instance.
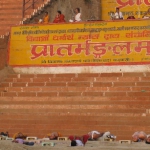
(119, 16)
(138, 136)
(60, 18)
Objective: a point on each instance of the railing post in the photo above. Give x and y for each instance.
(33, 4)
(23, 8)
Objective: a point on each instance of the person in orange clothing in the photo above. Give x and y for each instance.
(60, 18)
(19, 135)
(139, 136)
(46, 18)
(131, 17)
(53, 135)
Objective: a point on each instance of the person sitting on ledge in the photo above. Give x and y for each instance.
(147, 14)
(118, 14)
(77, 17)
(139, 136)
(112, 15)
(131, 17)
(60, 18)
(54, 135)
(79, 141)
(46, 18)
(19, 135)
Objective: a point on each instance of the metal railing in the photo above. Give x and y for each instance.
(25, 2)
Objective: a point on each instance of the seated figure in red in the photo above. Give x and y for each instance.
(131, 17)
(79, 141)
(60, 18)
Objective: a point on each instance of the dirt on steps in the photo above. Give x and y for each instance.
(65, 145)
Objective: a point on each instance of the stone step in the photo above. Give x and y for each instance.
(115, 115)
(75, 84)
(30, 109)
(15, 11)
(79, 98)
(11, 6)
(73, 89)
(73, 94)
(127, 103)
(113, 122)
(115, 102)
(74, 106)
(12, 22)
(78, 79)
(44, 129)
(56, 116)
(83, 75)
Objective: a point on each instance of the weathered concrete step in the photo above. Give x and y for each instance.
(11, 6)
(41, 116)
(145, 74)
(129, 103)
(71, 106)
(136, 116)
(71, 124)
(62, 111)
(73, 94)
(2, 25)
(12, 16)
(3, 13)
(79, 98)
(15, 19)
(81, 79)
(73, 89)
(75, 84)
(106, 121)
(9, 22)
(16, 10)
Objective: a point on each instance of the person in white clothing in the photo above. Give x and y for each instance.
(77, 143)
(95, 135)
(77, 17)
(118, 15)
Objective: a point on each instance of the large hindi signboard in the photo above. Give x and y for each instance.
(79, 44)
(135, 8)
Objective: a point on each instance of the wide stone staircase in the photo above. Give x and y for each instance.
(37, 104)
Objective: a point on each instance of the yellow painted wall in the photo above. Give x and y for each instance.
(127, 7)
(119, 42)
